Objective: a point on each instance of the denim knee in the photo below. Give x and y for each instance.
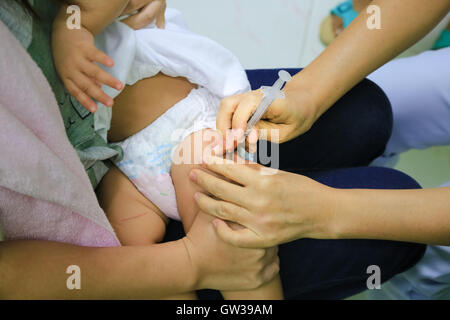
(374, 115)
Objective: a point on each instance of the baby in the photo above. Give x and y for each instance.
(164, 119)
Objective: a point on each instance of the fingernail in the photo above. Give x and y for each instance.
(215, 222)
(193, 175)
(119, 86)
(196, 196)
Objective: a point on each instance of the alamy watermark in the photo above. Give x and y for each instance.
(374, 280)
(374, 20)
(209, 144)
(73, 282)
(74, 20)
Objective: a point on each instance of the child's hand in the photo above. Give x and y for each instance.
(149, 11)
(75, 57)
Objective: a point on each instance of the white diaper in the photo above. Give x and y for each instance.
(148, 153)
(177, 52)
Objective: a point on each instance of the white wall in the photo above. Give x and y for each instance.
(264, 33)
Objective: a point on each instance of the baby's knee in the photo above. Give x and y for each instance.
(198, 145)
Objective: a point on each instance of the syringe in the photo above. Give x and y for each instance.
(269, 95)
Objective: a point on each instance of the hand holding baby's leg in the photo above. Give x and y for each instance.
(136, 221)
(192, 150)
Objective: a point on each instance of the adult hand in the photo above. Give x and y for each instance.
(148, 11)
(222, 266)
(274, 206)
(291, 116)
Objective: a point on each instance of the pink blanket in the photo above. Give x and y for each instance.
(44, 191)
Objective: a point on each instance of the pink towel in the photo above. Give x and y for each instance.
(44, 191)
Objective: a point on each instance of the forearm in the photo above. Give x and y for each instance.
(358, 51)
(37, 270)
(404, 215)
(95, 16)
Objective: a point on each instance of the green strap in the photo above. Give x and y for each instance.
(443, 41)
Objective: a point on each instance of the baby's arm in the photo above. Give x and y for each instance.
(75, 54)
(95, 15)
(74, 51)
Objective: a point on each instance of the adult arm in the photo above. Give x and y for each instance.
(37, 269)
(358, 50)
(352, 56)
(277, 207)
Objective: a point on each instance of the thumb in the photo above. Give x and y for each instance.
(241, 237)
(268, 130)
(224, 231)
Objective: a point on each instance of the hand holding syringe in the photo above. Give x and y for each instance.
(269, 95)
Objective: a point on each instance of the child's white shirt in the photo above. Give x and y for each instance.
(174, 51)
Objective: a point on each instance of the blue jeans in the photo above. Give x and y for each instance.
(335, 152)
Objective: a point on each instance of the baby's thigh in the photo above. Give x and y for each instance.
(135, 219)
(189, 155)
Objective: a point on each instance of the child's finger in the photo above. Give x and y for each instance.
(145, 16)
(97, 83)
(100, 76)
(100, 57)
(81, 97)
(88, 86)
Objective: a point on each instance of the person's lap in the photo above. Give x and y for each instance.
(418, 88)
(336, 269)
(352, 133)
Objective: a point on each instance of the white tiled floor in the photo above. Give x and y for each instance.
(285, 33)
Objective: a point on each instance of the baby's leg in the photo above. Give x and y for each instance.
(136, 221)
(185, 189)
